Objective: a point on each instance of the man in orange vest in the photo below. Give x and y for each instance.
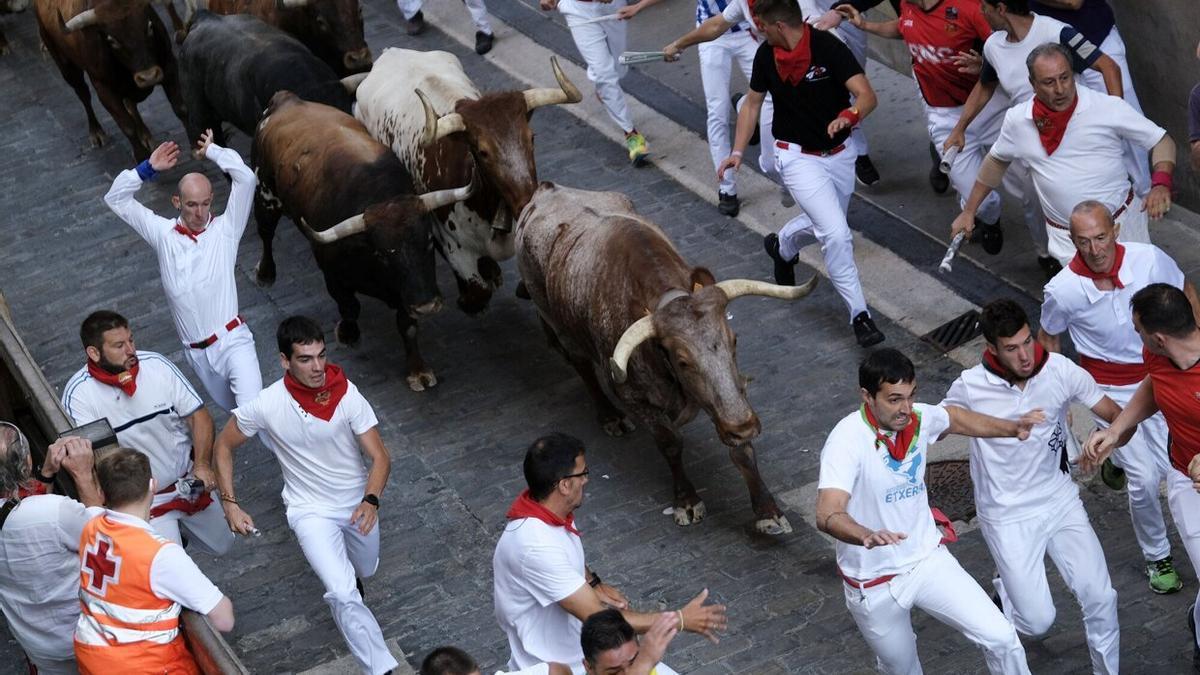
(133, 582)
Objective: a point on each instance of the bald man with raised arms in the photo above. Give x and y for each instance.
(196, 255)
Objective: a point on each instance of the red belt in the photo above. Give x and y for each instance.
(784, 145)
(1113, 374)
(949, 536)
(208, 341)
(851, 581)
(1116, 214)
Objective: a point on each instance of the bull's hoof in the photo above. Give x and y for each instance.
(421, 381)
(689, 515)
(347, 333)
(617, 426)
(97, 138)
(773, 526)
(264, 275)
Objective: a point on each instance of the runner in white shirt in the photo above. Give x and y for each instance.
(196, 257)
(1090, 300)
(1027, 504)
(154, 410)
(484, 35)
(39, 549)
(319, 427)
(542, 589)
(872, 498)
(1073, 140)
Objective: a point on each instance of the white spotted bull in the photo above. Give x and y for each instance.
(613, 293)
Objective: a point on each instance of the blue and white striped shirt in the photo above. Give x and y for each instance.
(706, 9)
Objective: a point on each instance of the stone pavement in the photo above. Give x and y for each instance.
(456, 450)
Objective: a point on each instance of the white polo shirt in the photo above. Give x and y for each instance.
(1016, 479)
(322, 463)
(884, 494)
(1005, 60)
(39, 574)
(535, 566)
(1101, 322)
(1088, 164)
(197, 275)
(152, 421)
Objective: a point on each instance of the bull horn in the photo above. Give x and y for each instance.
(81, 20)
(351, 82)
(431, 201)
(437, 128)
(293, 4)
(567, 92)
(349, 226)
(639, 332)
(736, 288)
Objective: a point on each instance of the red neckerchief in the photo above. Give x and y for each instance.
(187, 231)
(32, 488)
(1051, 124)
(903, 442)
(319, 402)
(125, 380)
(1078, 266)
(793, 64)
(525, 507)
(993, 365)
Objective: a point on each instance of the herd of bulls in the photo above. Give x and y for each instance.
(384, 165)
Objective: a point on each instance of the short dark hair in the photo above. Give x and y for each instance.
(297, 330)
(124, 476)
(549, 459)
(99, 322)
(603, 631)
(1162, 308)
(448, 661)
(1000, 319)
(1046, 49)
(885, 365)
(787, 11)
(1020, 7)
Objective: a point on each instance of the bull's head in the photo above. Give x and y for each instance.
(401, 235)
(496, 127)
(129, 29)
(702, 349)
(340, 24)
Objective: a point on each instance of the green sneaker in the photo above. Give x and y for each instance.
(635, 142)
(1163, 578)
(1113, 475)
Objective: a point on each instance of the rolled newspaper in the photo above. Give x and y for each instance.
(948, 160)
(951, 250)
(628, 58)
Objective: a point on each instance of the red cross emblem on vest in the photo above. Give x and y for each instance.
(100, 566)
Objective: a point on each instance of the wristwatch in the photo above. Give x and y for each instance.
(37, 473)
(595, 580)
(372, 500)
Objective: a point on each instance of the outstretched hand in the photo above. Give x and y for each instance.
(969, 62)
(206, 139)
(704, 619)
(883, 538)
(165, 156)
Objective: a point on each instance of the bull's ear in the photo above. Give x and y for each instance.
(702, 277)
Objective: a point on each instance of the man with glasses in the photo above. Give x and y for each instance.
(543, 590)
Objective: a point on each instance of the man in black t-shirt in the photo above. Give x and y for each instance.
(811, 76)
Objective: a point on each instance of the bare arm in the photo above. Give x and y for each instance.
(1107, 409)
(200, 424)
(970, 423)
(832, 519)
(1052, 343)
(1162, 158)
(697, 616)
(231, 437)
(981, 94)
(1121, 428)
(743, 130)
(711, 29)
(366, 515)
(990, 175)
(221, 616)
(884, 29)
(1111, 71)
(78, 458)
(631, 10)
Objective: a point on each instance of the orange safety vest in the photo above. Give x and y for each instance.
(123, 626)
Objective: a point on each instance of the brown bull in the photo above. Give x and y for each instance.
(331, 29)
(608, 282)
(125, 50)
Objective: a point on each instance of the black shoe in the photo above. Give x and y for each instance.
(416, 25)
(728, 205)
(990, 237)
(785, 270)
(865, 171)
(939, 181)
(1050, 266)
(865, 331)
(754, 138)
(359, 585)
(483, 42)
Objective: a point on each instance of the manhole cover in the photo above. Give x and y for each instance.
(950, 488)
(955, 332)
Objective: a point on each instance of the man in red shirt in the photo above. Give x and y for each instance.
(1166, 321)
(941, 36)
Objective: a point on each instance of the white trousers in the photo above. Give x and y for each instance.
(939, 586)
(980, 135)
(228, 368)
(600, 44)
(717, 59)
(1146, 466)
(339, 553)
(45, 667)
(1137, 160)
(207, 528)
(1065, 533)
(822, 187)
(478, 10)
(1134, 222)
(1185, 510)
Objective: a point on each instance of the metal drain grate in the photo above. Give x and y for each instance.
(954, 332)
